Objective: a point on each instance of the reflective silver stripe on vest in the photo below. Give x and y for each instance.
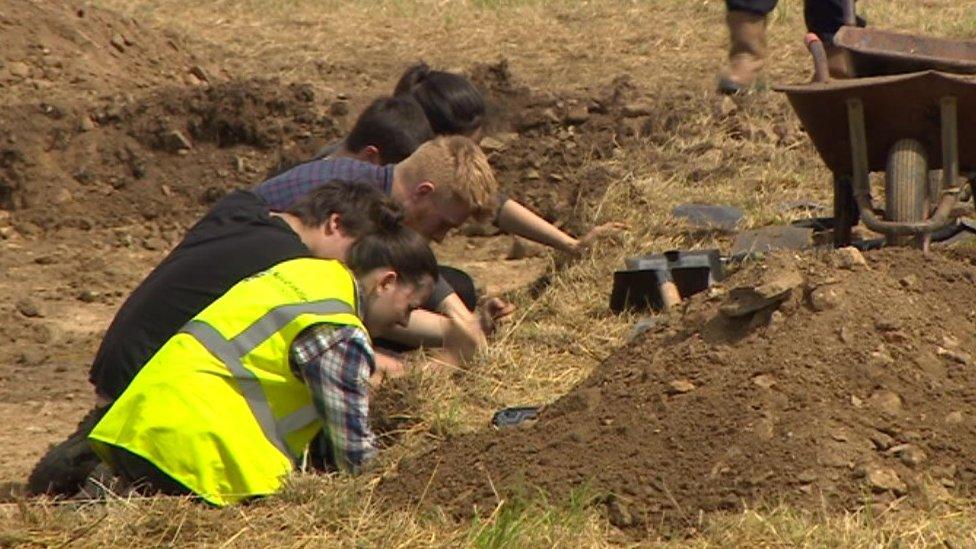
(298, 420)
(231, 352)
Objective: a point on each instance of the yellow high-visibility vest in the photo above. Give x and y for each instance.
(218, 408)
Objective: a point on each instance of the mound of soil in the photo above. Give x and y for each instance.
(810, 380)
(71, 49)
(105, 123)
(544, 145)
(123, 159)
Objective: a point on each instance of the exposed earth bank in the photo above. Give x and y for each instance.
(816, 380)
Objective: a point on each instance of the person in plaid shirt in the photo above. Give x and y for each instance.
(177, 428)
(236, 239)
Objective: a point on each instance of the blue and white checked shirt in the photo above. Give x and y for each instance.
(335, 363)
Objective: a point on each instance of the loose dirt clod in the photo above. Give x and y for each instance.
(794, 414)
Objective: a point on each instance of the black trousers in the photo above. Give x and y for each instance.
(64, 467)
(143, 476)
(823, 17)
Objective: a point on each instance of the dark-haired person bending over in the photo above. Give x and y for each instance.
(226, 408)
(425, 102)
(388, 130)
(443, 184)
(453, 105)
(236, 239)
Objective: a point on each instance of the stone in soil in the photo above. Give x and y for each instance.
(30, 308)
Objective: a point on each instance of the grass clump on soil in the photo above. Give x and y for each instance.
(533, 522)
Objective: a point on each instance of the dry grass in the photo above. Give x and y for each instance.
(671, 48)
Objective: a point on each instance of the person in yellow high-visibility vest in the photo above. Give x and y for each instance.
(227, 406)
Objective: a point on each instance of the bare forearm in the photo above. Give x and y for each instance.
(425, 329)
(516, 219)
(459, 335)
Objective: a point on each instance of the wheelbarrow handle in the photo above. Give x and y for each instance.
(850, 17)
(821, 73)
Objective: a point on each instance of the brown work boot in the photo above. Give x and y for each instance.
(747, 52)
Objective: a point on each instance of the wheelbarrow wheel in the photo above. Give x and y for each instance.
(906, 187)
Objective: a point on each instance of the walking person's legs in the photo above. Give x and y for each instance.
(746, 21)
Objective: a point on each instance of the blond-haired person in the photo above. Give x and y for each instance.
(441, 185)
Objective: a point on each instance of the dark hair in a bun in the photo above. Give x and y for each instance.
(453, 104)
(400, 249)
(387, 215)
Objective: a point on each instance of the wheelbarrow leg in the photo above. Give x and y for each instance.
(845, 210)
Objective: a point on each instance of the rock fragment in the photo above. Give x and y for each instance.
(774, 290)
(850, 258)
(886, 402)
(87, 296)
(825, 298)
(764, 381)
(490, 144)
(200, 72)
(522, 249)
(909, 454)
(619, 514)
(154, 243)
(881, 441)
(680, 386)
(30, 308)
(175, 141)
(118, 42)
(85, 124)
(18, 69)
(886, 480)
(959, 357)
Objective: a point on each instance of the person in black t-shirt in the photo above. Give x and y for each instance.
(236, 239)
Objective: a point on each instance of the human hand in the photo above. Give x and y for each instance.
(599, 232)
(388, 365)
(463, 337)
(493, 312)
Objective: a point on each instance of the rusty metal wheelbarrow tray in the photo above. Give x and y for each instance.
(895, 107)
(876, 52)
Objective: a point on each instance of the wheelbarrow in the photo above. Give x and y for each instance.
(901, 113)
